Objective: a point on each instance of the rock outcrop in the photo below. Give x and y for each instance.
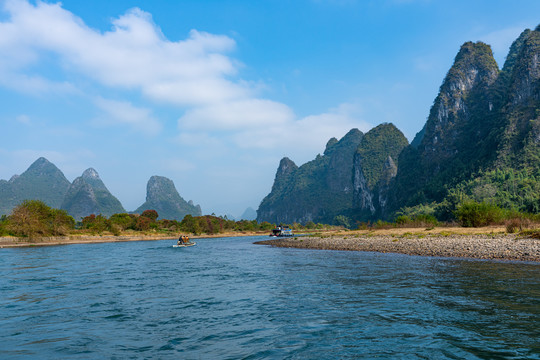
(162, 196)
(374, 168)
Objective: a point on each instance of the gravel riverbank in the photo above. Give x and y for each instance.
(485, 246)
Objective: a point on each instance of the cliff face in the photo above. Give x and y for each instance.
(88, 195)
(519, 145)
(316, 191)
(455, 140)
(482, 120)
(162, 196)
(374, 168)
(42, 181)
(460, 107)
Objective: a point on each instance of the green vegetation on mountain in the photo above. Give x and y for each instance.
(374, 168)
(162, 196)
(482, 139)
(479, 150)
(316, 191)
(89, 195)
(376, 146)
(42, 181)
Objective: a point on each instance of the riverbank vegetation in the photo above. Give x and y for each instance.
(34, 219)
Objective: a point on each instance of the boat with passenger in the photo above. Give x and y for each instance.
(183, 241)
(282, 231)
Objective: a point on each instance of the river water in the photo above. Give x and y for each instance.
(229, 299)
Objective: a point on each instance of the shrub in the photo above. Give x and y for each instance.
(33, 218)
(342, 220)
(517, 224)
(150, 214)
(97, 224)
(3, 226)
(473, 214)
(123, 221)
(143, 223)
(403, 220)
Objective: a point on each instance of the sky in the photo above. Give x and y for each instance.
(212, 94)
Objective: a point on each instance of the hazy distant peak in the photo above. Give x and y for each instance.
(90, 173)
(40, 163)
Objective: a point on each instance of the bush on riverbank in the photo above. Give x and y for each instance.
(33, 218)
(3, 226)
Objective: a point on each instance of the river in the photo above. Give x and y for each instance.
(229, 299)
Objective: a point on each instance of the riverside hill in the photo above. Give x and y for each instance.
(481, 142)
(87, 194)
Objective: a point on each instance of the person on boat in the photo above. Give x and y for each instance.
(182, 240)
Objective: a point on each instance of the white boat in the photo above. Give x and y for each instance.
(185, 245)
(183, 241)
(282, 231)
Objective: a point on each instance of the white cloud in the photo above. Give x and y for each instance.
(121, 112)
(23, 119)
(134, 54)
(195, 75)
(34, 84)
(237, 115)
(306, 136)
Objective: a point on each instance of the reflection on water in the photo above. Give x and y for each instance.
(227, 298)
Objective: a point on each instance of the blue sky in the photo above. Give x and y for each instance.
(212, 94)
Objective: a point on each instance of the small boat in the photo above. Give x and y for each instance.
(282, 231)
(185, 245)
(183, 241)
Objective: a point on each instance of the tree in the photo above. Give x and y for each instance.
(123, 221)
(150, 214)
(143, 223)
(33, 218)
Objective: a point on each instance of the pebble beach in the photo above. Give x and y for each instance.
(483, 246)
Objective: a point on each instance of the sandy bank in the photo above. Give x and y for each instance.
(478, 246)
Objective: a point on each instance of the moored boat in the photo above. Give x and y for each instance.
(282, 231)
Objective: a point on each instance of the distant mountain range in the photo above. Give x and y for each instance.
(87, 194)
(481, 142)
(249, 214)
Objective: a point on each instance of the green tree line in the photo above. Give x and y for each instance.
(33, 219)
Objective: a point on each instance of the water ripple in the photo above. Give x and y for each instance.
(229, 299)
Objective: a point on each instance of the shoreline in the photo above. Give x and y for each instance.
(494, 246)
(15, 242)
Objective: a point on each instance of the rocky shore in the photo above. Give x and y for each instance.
(484, 246)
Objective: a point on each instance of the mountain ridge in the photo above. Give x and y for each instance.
(482, 132)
